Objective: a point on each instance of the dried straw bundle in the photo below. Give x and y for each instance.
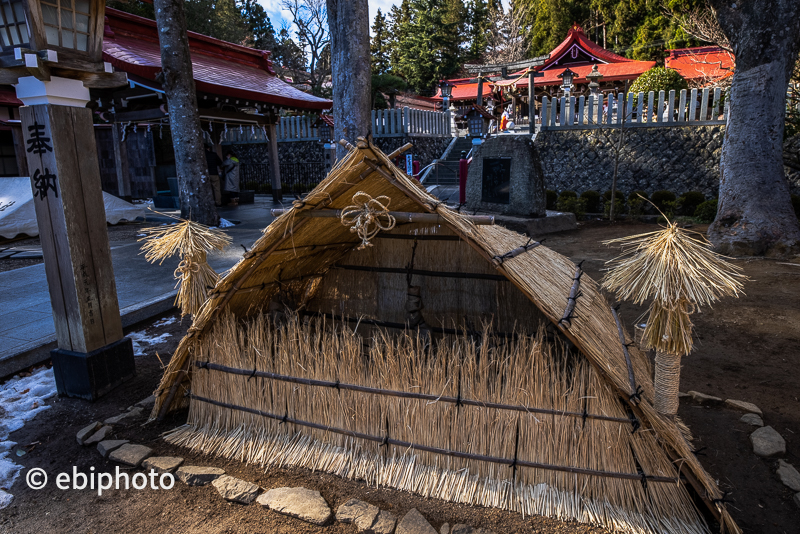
(527, 371)
(678, 271)
(192, 241)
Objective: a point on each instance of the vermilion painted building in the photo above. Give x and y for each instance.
(702, 65)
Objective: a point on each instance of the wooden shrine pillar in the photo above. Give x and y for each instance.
(277, 194)
(92, 355)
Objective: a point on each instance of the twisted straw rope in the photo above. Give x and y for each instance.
(364, 217)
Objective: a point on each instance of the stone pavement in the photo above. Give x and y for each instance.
(143, 290)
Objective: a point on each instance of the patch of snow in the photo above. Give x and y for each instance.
(139, 338)
(21, 398)
(165, 322)
(224, 223)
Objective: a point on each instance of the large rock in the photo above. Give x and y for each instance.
(702, 398)
(98, 436)
(767, 442)
(789, 475)
(361, 513)
(162, 464)
(135, 412)
(110, 445)
(195, 475)
(236, 490)
(147, 403)
(131, 454)
(384, 524)
(743, 406)
(301, 503)
(84, 433)
(752, 419)
(414, 523)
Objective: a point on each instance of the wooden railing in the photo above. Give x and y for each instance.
(384, 123)
(692, 108)
(407, 121)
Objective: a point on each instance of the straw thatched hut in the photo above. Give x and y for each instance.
(450, 358)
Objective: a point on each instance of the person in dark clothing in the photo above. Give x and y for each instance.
(214, 165)
(230, 166)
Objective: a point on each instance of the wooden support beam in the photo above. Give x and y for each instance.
(401, 216)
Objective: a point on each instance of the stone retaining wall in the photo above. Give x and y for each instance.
(651, 159)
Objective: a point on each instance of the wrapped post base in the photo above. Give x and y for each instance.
(667, 383)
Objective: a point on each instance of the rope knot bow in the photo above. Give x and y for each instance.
(367, 216)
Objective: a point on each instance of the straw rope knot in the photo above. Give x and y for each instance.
(186, 268)
(367, 216)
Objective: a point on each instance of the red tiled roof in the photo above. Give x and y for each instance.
(8, 97)
(131, 44)
(611, 72)
(701, 62)
(576, 35)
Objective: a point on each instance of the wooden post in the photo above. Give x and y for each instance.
(92, 355)
(121, 162)
(277, 193)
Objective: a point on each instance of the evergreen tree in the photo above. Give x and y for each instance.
(262, 33)
(287, 53)
(398, 23)
(431, 49)
(379, 46)
(478, 17)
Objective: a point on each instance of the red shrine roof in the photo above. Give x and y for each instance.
(8, 97)
(577, 52)
(130, 43)
(578, 49)
(700, 63)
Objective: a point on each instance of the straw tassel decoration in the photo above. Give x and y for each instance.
(192, 241)
(680, 273)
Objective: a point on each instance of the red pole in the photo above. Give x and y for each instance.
(463, 168)
(415, 166)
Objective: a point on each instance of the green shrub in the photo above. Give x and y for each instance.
(568, 201)
(659, 79)
(706, 212)
(636, 205)
(659, 198)
(688, 202)
(796, 205)
(618, 207)
(635, 195)
(592, 198)
(619, 195)
(551, 198)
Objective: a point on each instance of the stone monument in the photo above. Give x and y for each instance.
(505, 177)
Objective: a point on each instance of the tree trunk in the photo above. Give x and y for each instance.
(755, 214)
(667, 383)
(350, 69)
(194, 186)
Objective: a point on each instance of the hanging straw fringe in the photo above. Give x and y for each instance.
(364, 217)
(192, 241)
(674, 269)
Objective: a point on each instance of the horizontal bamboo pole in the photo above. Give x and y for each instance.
(402, 394)
(445, 452)
(421, 272)
(401, 216)
(404, 326)
(406, 147)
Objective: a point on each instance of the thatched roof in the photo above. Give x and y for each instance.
(296, 249)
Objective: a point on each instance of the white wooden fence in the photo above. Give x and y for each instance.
(693, 108)
(407, 121)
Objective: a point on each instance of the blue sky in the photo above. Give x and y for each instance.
(276, 15)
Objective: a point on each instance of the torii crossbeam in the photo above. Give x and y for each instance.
(480, 70)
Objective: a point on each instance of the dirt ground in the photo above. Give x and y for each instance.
(747, 349)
